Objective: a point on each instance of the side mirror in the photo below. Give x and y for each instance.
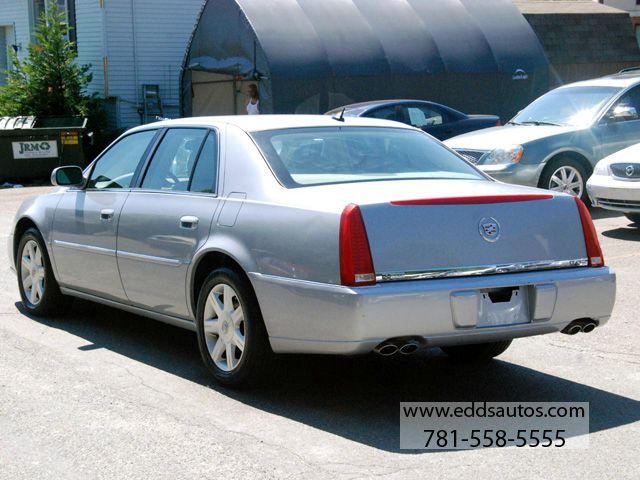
(67, 176)
(623, 113)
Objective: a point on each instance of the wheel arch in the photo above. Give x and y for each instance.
(22, 225)
(571, 154)
(206, 262)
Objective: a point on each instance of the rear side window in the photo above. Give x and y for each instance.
(116, 167)
(394, 113)
(205, 174)
(174, 159)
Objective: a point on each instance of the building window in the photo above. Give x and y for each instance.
(38, 7)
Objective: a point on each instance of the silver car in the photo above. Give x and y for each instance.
(310, 234)
(556, 141)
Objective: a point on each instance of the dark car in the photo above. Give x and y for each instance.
(438, 120)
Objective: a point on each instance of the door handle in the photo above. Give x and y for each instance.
(189, 222)
(106, 214)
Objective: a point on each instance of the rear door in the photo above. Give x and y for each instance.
(86, 221)
(167, 219)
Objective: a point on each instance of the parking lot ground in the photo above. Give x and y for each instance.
(98, 393)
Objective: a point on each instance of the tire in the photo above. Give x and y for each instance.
(38, 287)
(221, 337)
(477, 352)
(575, 174)
(634, 217)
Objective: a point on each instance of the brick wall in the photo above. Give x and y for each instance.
(585, 45)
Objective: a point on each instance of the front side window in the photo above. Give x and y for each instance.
(627, 107)
(421, 117)
(174, 159)
(316, 156)
(117, 166)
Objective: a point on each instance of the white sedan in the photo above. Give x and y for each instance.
(615, 183)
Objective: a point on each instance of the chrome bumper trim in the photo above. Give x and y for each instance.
(480, 270)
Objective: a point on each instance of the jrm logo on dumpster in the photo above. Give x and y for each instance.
(35, 149)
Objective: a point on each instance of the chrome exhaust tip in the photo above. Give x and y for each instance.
(409, 348)
(572, 328)
(589, 327)
(404, 345)
(386, 349)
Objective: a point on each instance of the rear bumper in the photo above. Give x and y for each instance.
(308, 317)
(613, 194)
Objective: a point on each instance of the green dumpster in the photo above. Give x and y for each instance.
(31, 147)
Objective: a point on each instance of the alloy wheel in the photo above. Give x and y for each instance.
(567, 179)
(32, 272)
(224, 327)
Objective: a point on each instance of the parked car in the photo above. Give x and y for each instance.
(615, 183)
(437, 120)
(304, 234)
(555, 141)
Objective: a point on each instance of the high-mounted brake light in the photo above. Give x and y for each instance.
(356, 265)
(594, 252)
(474, 200)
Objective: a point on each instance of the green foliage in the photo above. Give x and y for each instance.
(49, 81)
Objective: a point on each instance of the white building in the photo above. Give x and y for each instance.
(129, 44)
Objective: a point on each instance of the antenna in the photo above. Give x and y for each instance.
(340, 117)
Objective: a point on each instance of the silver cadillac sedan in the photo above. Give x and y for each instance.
(310, 234)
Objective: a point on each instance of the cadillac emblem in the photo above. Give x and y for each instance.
(629, 170)
(489, 229)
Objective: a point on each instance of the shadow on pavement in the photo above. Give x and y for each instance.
(353, 397)
(597, 213)
(632, 233)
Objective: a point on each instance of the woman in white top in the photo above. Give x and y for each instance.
(253, 107)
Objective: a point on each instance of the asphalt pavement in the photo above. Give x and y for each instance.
(98, 393)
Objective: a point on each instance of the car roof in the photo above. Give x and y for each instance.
(623, 79)
(254, 123)
(378, 103)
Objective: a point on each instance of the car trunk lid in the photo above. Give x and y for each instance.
(473, 234)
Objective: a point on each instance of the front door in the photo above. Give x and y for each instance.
(167, 219)
(86, 221)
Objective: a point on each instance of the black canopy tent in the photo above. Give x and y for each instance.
(309, 56)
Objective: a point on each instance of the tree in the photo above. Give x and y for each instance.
(49, 81)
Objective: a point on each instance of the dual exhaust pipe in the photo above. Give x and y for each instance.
(410, 345)
(403, 346)
(577, 326)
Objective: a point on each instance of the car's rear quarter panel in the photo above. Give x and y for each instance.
(277, 231)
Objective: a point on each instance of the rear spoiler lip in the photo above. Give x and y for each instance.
(474, 200)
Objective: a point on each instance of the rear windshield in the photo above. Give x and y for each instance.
(317, 156)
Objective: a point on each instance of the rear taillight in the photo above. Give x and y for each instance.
(594, 252)
(356, 265)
